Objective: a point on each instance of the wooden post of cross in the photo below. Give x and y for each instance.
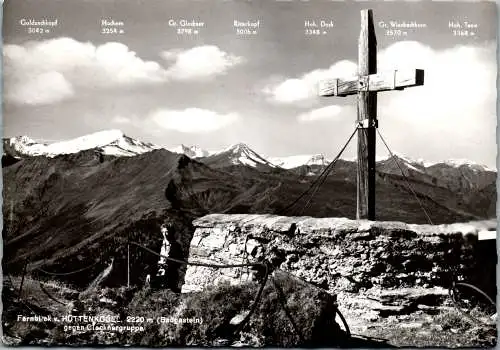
(366, 86)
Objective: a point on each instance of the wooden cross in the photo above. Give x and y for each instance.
(366, 86)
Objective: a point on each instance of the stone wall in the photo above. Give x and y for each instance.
(337, 254)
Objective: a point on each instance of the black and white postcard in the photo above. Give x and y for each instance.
(249, 173)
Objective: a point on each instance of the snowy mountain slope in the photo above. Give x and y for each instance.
(291, 162)
(457, 163)
(110, 142)
(419, 164)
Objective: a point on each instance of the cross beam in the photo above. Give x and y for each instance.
(396, 80)
(366, 86)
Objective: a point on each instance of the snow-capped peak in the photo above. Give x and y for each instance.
(240, 153)
(112, 142)
(239, 148)
(22, 140)
(191, 151)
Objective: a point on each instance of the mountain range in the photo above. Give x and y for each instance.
(116, 143)
(70, 203)
(109, 142)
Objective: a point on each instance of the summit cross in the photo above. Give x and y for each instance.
(366, 86)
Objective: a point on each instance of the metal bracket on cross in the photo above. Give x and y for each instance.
(365, 123)
(363, 83)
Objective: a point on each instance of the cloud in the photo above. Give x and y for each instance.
(323, 113)
(454, 67)
(455, 109)
(199, 62)
(28, 69)
(192, 120)
(77, 65)
(47, 87)
(460, 82)
(119, 119)
(305, 87)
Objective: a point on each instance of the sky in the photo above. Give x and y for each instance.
(214, 88)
